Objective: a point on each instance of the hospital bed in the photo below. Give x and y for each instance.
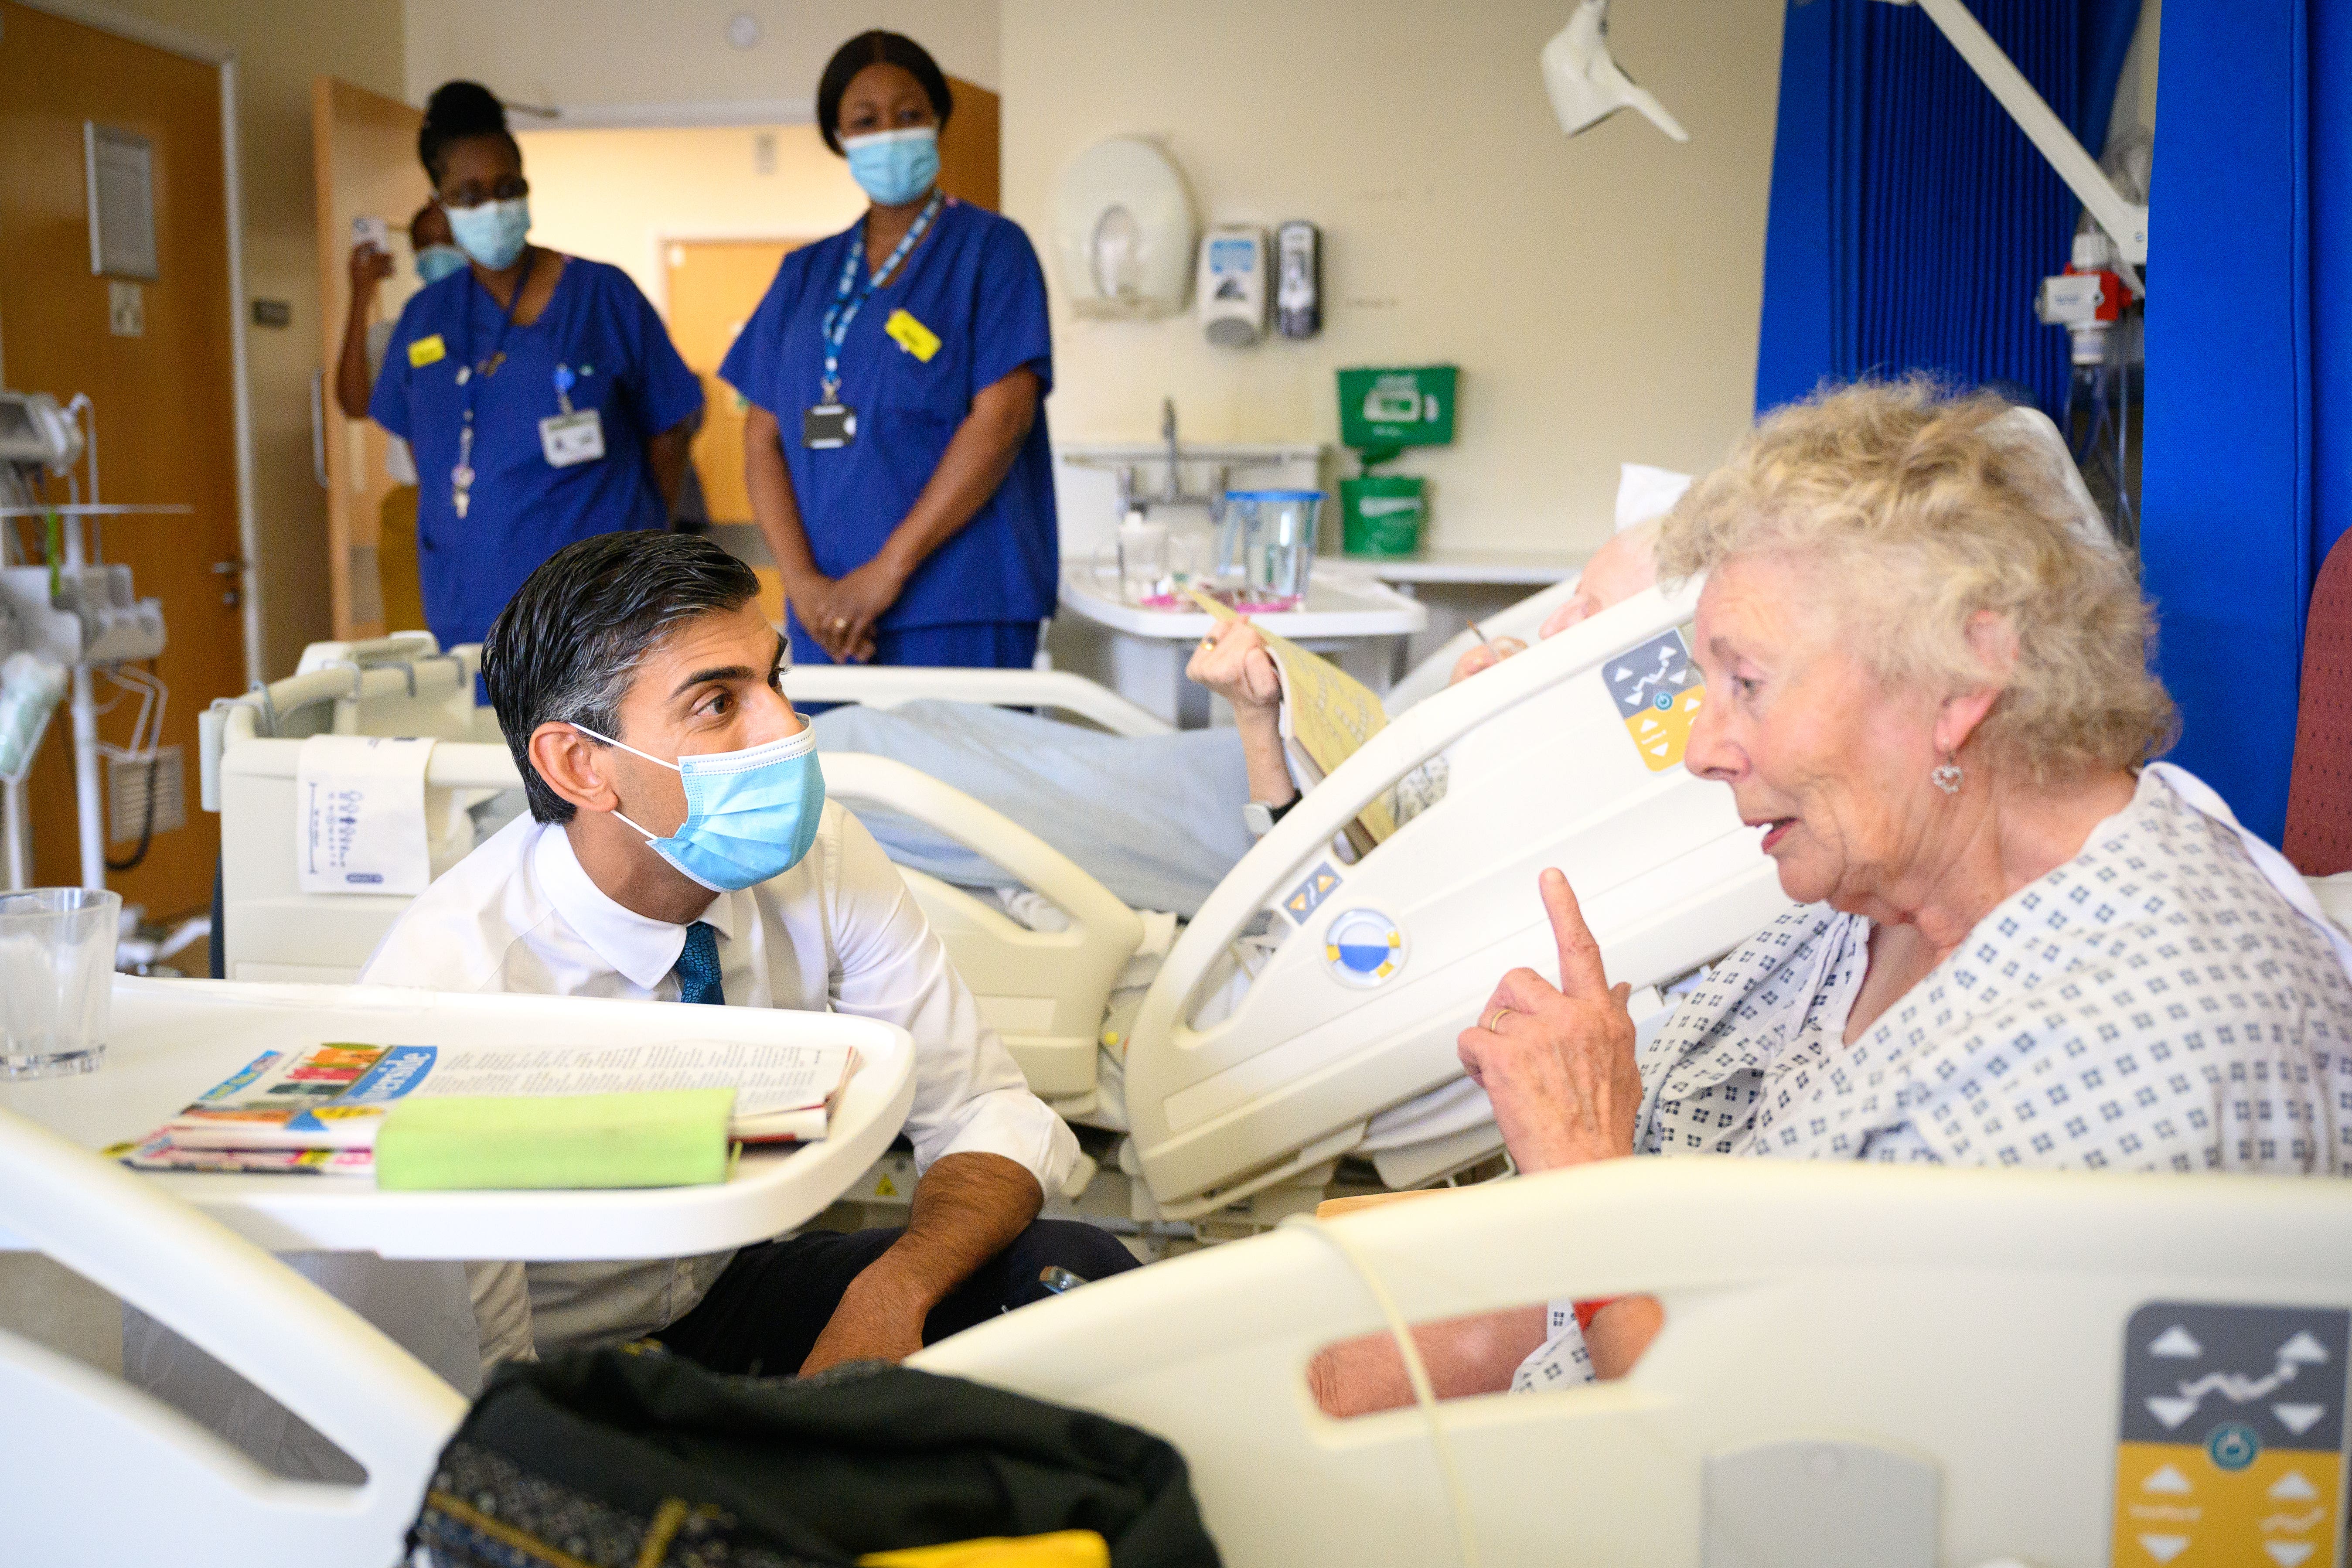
(1260, 1057)
(1861, 1366)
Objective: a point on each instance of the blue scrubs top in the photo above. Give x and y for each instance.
(522, 509)
(973, 284)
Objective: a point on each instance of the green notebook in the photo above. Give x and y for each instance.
(661, 1138)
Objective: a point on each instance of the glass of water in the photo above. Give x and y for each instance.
(57, 978)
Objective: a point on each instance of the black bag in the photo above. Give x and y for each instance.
(618, 1459)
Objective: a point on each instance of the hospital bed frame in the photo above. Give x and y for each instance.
(1045, 992)
(1861, 1364)
(75, 1442)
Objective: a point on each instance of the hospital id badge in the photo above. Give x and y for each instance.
(828, 425)
(570, 438)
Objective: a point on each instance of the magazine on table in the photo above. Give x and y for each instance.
(334, 1097)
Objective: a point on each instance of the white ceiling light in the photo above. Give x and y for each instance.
(1587, 86)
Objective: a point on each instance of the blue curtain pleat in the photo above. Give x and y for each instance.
(1911, 221)
(2247, 479)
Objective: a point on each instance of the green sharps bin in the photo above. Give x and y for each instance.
(1383, 410)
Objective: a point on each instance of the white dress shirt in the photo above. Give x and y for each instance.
(837, 933)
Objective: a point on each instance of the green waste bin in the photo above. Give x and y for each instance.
(1379, 514)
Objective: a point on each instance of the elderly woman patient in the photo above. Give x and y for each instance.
(2019, 942)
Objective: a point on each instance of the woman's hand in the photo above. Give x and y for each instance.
(370, 267)
(1233, 662)
(1557, 1062)
(1486, 656)
(857, 601)
(813, 596)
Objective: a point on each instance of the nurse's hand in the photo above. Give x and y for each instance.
(814, 598)
(370, 267)
(1557, 1062)
(858, 601)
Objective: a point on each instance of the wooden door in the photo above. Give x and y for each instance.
(164, 397)
(970, 148)
(713, 286)
(364, 163)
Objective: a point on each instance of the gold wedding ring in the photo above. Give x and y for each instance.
(839, 622)
(1492, 1023)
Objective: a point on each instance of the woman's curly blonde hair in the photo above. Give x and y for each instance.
(1919, 510)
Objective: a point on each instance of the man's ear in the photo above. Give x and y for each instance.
(1994, 642)
(571, 764)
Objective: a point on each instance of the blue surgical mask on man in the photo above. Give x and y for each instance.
(491, 233)
(894, 167)
(435, 262)
(751, 815)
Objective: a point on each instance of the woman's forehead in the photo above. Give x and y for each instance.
(884, 81)
(1756, 602)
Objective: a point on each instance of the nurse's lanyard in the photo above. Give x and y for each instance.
(461, 478)
(832, 423)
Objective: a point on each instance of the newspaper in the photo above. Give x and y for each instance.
(1326, 715)
(335, 1096)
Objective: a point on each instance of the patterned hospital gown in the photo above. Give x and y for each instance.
(2154, 1003)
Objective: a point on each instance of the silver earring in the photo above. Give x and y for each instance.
(1946, 777)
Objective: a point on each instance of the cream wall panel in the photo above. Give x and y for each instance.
(576, 54)
(1600, 294)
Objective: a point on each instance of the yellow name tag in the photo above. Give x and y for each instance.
(425, 351)
(912, 335)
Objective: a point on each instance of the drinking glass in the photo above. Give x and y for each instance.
(57, 978)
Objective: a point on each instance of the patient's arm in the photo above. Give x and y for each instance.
(968, 1208)
(1468, 1356)
(1233, 662)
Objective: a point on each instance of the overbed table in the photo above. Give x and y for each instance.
(173, 1039)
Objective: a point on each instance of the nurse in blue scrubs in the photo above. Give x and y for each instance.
(540, 392)
(896, 448)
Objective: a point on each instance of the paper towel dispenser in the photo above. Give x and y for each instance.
(1125, 232)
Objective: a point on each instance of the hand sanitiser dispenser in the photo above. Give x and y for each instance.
(1234, 284)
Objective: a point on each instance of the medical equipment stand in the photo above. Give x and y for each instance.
(81, 614)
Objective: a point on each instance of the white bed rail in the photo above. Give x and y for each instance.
(1826, 1326)
(92, 1470)
(1221, 1112)
(408, 687)
(889, 686)
(1522, 620)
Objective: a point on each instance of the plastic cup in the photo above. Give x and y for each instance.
(1142, 561)
(1271, 535)
(57, 979)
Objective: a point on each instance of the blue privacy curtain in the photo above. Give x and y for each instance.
(1911, 221)
(2248, 475)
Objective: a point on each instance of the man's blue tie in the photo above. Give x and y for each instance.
(697, 967)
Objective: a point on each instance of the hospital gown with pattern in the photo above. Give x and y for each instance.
(2154, 1003)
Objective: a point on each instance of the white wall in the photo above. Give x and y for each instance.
(1600, 294)
(617, 196)
(591, 56)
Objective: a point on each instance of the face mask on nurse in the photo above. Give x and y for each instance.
(435, 262)
(894, 167)
(493, 233)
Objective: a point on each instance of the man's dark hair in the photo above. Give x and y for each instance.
(568, 644)
(458, 111)
(877, 48)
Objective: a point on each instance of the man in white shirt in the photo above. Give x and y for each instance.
(723, 876)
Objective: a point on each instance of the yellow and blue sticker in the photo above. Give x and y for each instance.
(1364, 947)
(2231, 1445)
(1658, 692)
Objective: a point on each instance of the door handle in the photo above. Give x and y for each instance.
(233, 590)
(318, 427)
